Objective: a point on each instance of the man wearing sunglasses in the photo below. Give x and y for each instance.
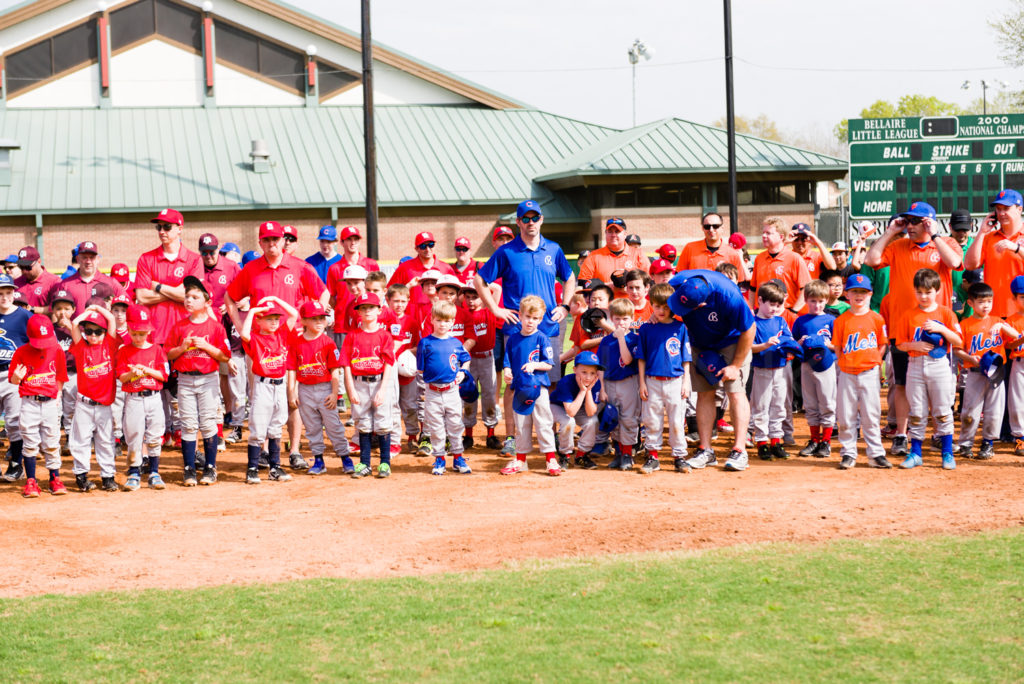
(713, 250)
(465, 265)
(88, 281)
(616, 255)
(35, 281)
(409, 272)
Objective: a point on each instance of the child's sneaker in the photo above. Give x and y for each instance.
(554, 470)
(347, 466)
(964, 451)
(809, 450)
(681, 465)
(31, 490)
(493, 442)
(880, 462)
(189, 478)
(509, 447)
(57, 487)
(383, 470)
(626, 463)
(1018, 446)
(778, 452)
(132, 482)
(109, 484)
(318, 467)
(563, 462)
(438, 468)
(424, 449)
(650, 465)
(988, 450)
(84, 483)
(763, 452)
(361, 470)
(459, 463)
(155, 481)
(824, 450)
(585, 462)
(209, 476)
(278, 475)
(724, 426)
(252, 476)
(948, 462)
(515, 466)
(847, 462)
(899, 446)
(911, 461)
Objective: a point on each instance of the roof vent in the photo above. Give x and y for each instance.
(6, 145)
(260, 156)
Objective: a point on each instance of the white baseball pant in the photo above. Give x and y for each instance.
(624, 395)
(542, 421)
(199, 405)
(410, 401)
(238, 386)
(787, 420)
(767, 403)
(143, 424)
(568, 424)
(981, 397)
(930, 383)
(858, 404)
(366, 416)
(40, 430)
(268, 409)
(317, 418)
(171, 414)
(396, 410)
(819, 393)
(68, 399)
(92, 427)
(10, 406)
(442, 417)
(482, 368)
(665, 397)
(117, 412)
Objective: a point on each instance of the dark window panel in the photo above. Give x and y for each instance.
(27, 66)
(947, 184)
(932, 183)
(993, 183)
(179, 23)
(978, 183)
(961, 183)
(285, 66)
(947, 205)
(237, 47)
(978, 204)
(901, 186)
(131, 23)
(916, 185)
(1015, 181)
(333, 80)
(75, 47)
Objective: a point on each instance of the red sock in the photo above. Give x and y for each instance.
(521, 457)
(826, 434)
(815, 433)
(490, 432)
(653, 454)
(580, 453)
(626, 449)
(776, 440)
(763, 443)
(548, 455)
(220, 430)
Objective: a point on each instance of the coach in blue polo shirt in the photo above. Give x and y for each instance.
(719, 322)
(528, 265)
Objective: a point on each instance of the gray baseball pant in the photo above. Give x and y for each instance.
(767, 403)
(555, 374)
(366, 416)
(819, 392)
(624, 395)
(542, 420)
(1016, 398)
(317, 418)
(665, 397)
(858, 403)
(237, 388)
(411, 401)
(482, 368)
(199, 405)
(117, 412)
(268, 410)
(68, 398)
(10, 405)
(171, 415)
(396, 411)
(568, 424)
(442, 414)
(92, 428)
(40, 430)
(143, 424)
(930, 383)
(981, 397)
(787, 420)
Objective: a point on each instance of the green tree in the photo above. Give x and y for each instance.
(1008, 29)
(908, 105)
(760, 126)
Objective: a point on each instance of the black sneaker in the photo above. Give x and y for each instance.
(778, 452)
(899, 446)
(650, 465)
(847, 462)
(83, 482)
(824, 450)
(626, 463)
(585, 462)
(108, 484)
(252, 476)
(296, 462)
(15, 471)
(880, 462)
(209, 476)
(278, 475)
(264, 462)
(493, 442)
(200, 463)
(616, 461)
(467, 442)
(681, 465)
(563, 462)
(988, 450)
(234, 435)
(809, 450)
(189, 478)
(763, 452)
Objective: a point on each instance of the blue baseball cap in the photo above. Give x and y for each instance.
(468, 389)
(690, 294)
(12, 259)
(608, 418)
(6, 280)
(525, 395)
(708, 363)
(801, 229)
(526, 207)
(404, 259)
(588, 358)
(328, 233)
(249, 256)
(937, 340)
(1017, 285)
(1008, 198)
(789, 347)
(859, 281)
(991, 363)
(921, 209)
(230, 247)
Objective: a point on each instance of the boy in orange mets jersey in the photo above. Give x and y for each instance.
(1016, 389)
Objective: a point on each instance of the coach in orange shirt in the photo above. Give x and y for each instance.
(997, 247)
(777, 261)
(712, 250)
(811, 249)
(616, 255)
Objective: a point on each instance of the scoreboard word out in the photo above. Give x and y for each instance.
(951, 162)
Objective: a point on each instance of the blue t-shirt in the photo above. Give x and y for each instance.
(723, 317)
(520, 349)
(440, 360)
(608, 353)
(568, 388)
(813, 325)
(528, 272)
(12, 334)
(766, 329)
(664, 347)
(321, 265)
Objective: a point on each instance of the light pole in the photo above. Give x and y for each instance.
(985, 85)
(639, 49)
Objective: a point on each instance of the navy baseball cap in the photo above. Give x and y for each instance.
(328, 233)
(708, 363)
(6, 281)
(468, 390)
(230, 247)
(1008, 198)
(802, 228)
(1017, 285)
(526, 207)
(588, 358)
(859, 281)
(922, 210)
(689, 294)
(249, 256)
(525, 395)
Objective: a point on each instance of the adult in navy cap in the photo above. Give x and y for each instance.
(327, 256)
(717, 318)
(997, 248)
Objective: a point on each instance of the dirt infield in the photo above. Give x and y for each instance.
(415, 523)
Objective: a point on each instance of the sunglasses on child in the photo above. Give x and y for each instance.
(92, 332)
(290, 238)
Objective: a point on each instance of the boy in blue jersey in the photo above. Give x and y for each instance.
(663, 366)
(575, 404)
(442, 361)
(768, 389)
(13, 334)
(528, 358)
(818, 387)
(620, 385)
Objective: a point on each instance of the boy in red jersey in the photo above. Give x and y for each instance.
(409, 408)
(481, 366)
(94, 349)
(196, 346)
(40, 371)
(142, 369)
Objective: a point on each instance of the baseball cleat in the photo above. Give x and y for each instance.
(109, 484)
(84, 483)
(347, 466)
(189, 478)
(460, 465)
(383, 470)
(209, 476)
(948, 462)
(964, 451)
(252, 476)
(824, 450)
(57, 487)
(808, 450)
(31, 490)
(626, 463)
(911, 461)
(424, 449)
(650, 465)
(554, 469)
(681, 465)
(778, 452)
(15, 471)
(847, 462)
(155, 481)
(585, 462)
(515, 466)
(563, 462)
(361, 470)
(880, 462)
(233, 435)
(264, 462)
(988, 450)
(467, 442)
(763, 452)
(439, 464)
(133, 482)
(493, 443)
(278, 475)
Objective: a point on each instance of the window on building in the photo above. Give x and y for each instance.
(333, 78)
(50, 57)
(281, 65)
(767, 192)
(135, 22)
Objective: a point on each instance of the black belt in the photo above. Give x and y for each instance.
(92, 402)
(191, 373)
(270, 381)
(4, 367)
(368, 378)
(142, 393)
(38, 397)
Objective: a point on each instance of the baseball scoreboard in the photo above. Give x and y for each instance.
(951, 162)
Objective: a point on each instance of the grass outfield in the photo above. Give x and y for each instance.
(929, 610)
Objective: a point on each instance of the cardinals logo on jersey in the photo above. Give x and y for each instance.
(179, 272)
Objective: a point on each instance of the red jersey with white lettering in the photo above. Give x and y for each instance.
(367, 353)
(485, 324)
(293, 280)
(218, 278)
(95, 362)
(152, 356)
(413, 268)
(153, 267)
(46, 369)
(980, 336)
(195, 359)
(312, 360)
(909, 327)
(402, 337)
(269, 352)
(37, 292)
(467, 274)
(858, 339)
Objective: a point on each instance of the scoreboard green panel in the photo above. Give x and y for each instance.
(951, 162)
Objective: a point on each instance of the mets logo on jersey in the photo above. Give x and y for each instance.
(855, 343)
(453, 362)
(672, 346)
(979, 344)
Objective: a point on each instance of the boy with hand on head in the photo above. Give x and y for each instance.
(442, 361)
(860, 341)
(267, 346)
(196, 346)
(818, 388)
(368, 357)
(772, 341)
(1015, 390)
(528, 358)
(142, 369)
(575, 404)
(926, 332)
(39, 370)
(481, 364)
(94, 350)
(620, 385)
(663, 366)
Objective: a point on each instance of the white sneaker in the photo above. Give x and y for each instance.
(516, 466)
(554, 470)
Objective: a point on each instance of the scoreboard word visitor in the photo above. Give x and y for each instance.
(951, 162)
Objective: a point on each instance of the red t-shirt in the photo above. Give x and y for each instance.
(195, 359)
(312, 360)
(46, 369)
(218, 278)
(467, 274)
(269, 353)
(367, 353)
(484, 325)
(152, 356)
(37, 292)
(293, 280)
(153, 267)
(414, 268)
(82, 291)
(95, 363)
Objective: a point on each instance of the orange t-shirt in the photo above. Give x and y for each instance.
(883, 309)
(1016, 321)
(1000, 269)
(787, 266)
(979, 337)
(908, 328)
(641, 316)
(601, 263)
(813, 261)
(905, 258)
(697, 255)
(858, 340)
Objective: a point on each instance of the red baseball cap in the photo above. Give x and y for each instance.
(169, 216)
(96, 318)
(737, 241)
(208, 242)
(40, 332)
(667, 252)
(349, 231)
(139, 318)
(367, 299)
(292, 231)
(463, 242)
(312, 309)
(120, 299)
(271, 229)
(120, 273)
(27, 256)
(502, 230)
(274, 310)
(423, 237)
(660, 266)
(88, 247)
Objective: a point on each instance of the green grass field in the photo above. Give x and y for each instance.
(944, 609)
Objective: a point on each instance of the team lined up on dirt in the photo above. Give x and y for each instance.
(198, 346)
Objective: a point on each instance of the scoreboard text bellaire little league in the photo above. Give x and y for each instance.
(951, 162)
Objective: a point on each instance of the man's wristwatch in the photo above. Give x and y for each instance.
(566, 306)
(156, 288)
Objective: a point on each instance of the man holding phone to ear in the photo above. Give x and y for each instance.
(997, 247)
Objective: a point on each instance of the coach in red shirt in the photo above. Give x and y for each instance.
(409, 273)
(217, 273)
(35, 281)
(159, 273)
(88, 281)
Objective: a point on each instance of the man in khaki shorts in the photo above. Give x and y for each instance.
(721, 325)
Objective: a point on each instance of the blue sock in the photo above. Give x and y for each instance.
(385, 448)
(30, 467)
(54, 473)
(947, 444)
(253, 455)
(986, 442)
(188, 453)
(154, 464)
(134, 471)
(274, 451)
(365, 446)
(210, 450)
(915, 447)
